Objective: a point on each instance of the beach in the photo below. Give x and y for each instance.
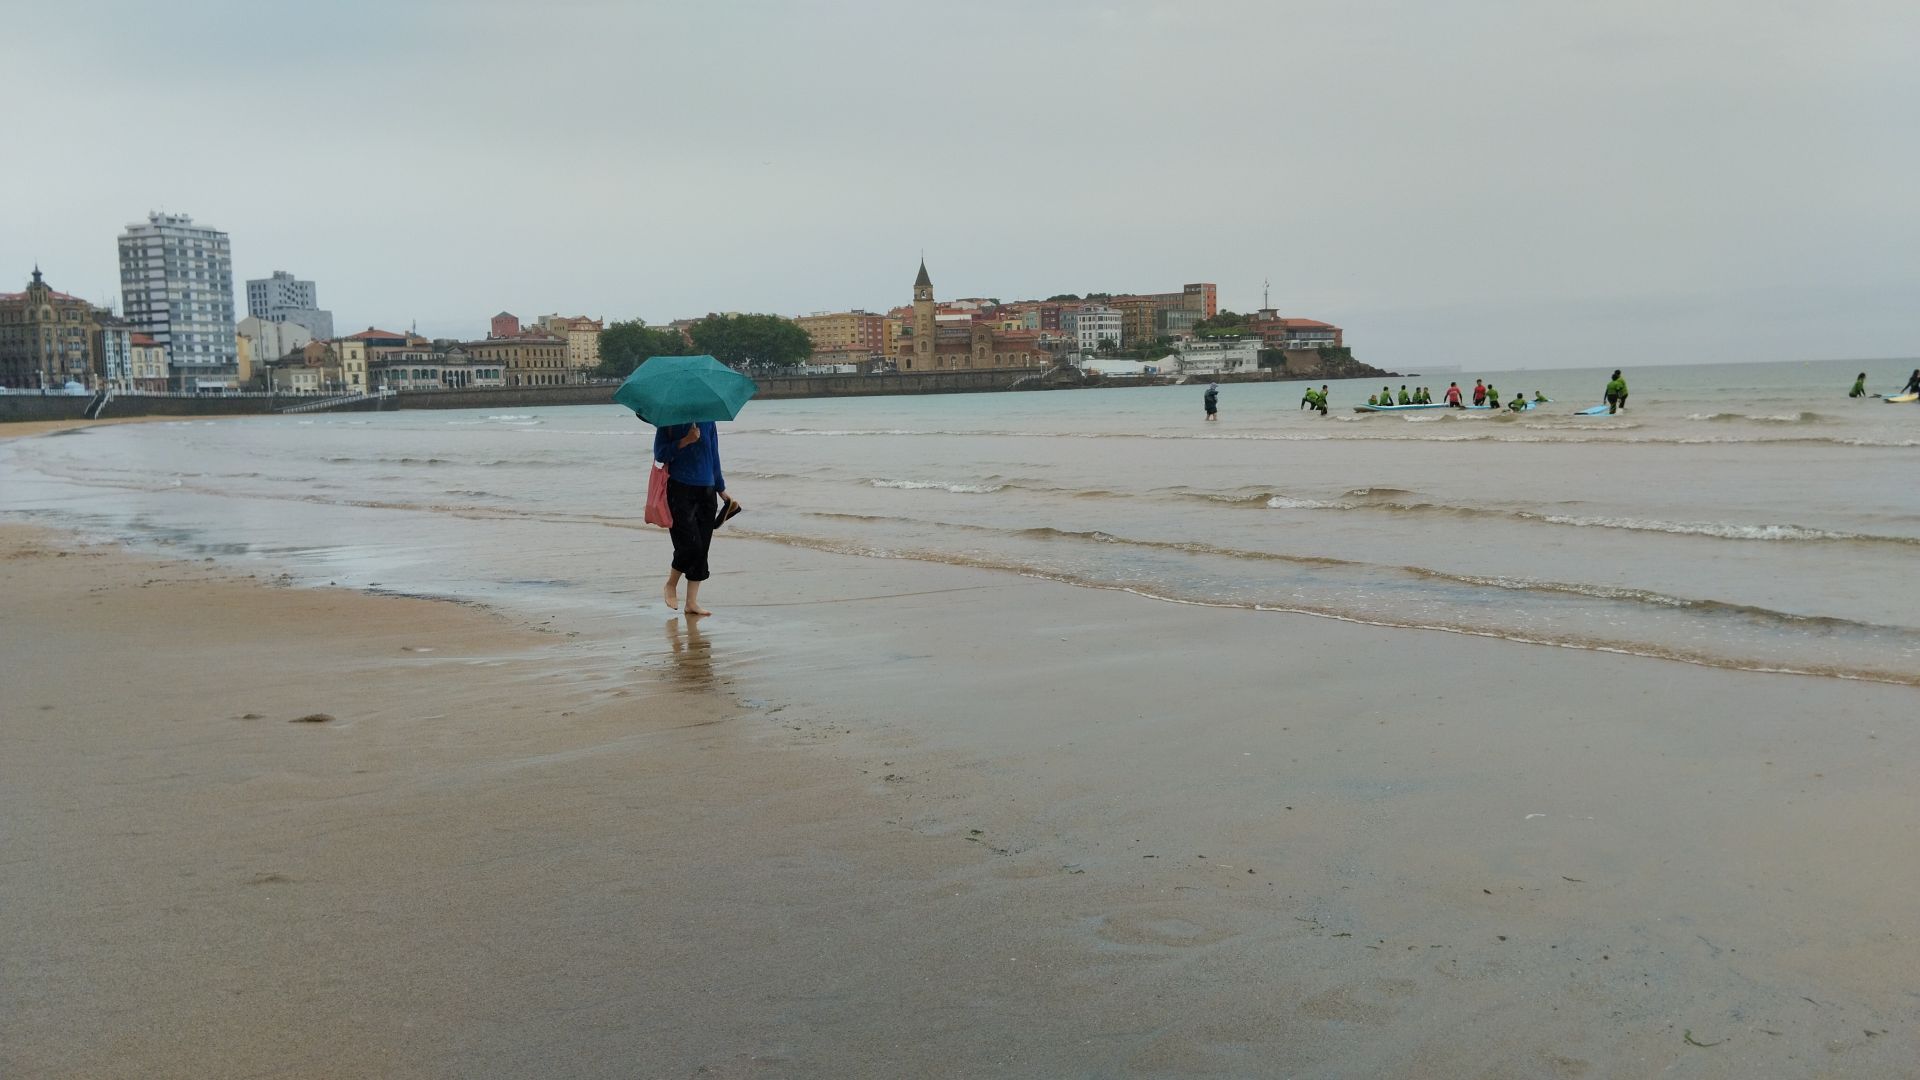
(937, 795)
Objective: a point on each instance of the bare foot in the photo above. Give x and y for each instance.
(691, 610)
(672, 598)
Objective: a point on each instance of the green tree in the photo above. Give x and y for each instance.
(624, 345)
(751, 339)
(1223, 324)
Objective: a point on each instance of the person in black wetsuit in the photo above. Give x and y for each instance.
(1913, 384)
(1212, 401)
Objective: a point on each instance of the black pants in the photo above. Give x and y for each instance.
(693, 509)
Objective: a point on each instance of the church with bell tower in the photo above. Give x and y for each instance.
(977, 344)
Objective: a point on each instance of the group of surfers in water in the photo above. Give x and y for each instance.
(1860, 386)
(1484, 396)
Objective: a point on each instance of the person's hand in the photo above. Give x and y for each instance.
(692, 436)
(728, 498)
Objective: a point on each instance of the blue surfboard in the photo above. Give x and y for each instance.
(1595, 411)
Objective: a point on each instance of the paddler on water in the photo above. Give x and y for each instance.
(1616, 393)
(1539, 397)
(1859, 386)
(1404, 398)
(1386, 395)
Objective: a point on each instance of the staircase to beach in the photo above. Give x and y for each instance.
(338, 402)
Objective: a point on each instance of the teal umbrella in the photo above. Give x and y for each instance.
(669, 390)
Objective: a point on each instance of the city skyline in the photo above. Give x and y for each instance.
(1488, 187)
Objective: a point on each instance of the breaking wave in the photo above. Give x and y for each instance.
(1790, 418)
(957, 489)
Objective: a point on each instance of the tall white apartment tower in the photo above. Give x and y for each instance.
(285, 298)
(176, 282)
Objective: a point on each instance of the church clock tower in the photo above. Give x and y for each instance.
(923, 322)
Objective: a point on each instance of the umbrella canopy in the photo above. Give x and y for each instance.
(669, 390)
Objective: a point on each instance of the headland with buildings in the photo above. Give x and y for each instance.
(177, 337)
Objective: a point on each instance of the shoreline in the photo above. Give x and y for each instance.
(25, 408)
(870, 815)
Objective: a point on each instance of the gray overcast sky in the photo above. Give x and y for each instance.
(1485, 182)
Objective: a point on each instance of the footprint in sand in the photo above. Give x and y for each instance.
(1370, 1003)
(1151, 926)
(746, 1067)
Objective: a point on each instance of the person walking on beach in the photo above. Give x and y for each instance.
(1212, 401)
(1859, 386)
(697, 497)
(1616, 393)
(1453, 395)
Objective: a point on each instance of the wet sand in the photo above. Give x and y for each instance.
(19, 429)
(956, 824)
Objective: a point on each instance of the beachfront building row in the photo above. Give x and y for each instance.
(379, 360)
(50, 340)
(527, 353)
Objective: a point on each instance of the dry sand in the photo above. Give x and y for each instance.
(956, 825)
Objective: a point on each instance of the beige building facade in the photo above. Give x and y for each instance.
(581, 334)
(47, 339)
(537, 360)
(147, 365)
(843, 332)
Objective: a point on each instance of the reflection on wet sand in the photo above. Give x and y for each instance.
(692, 654)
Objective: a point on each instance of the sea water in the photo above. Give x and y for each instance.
(1741, 516)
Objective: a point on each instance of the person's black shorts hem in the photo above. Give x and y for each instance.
(694, 508)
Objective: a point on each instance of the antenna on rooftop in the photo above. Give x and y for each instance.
(1266, 302)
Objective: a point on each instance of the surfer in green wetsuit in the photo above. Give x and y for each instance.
(1493, 397)
(1518, 404)
(1616, 393)
(1859, 386)
(1404, 399)
(1538, 396)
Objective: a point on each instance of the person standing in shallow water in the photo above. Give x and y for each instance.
(1212, 401)
(1859, 386)
(1616, 394)
(697, 497)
